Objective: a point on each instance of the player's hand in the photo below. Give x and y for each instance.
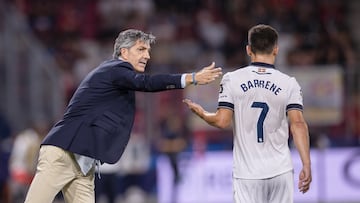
(208, 74)
(194, 107)
(305, 179)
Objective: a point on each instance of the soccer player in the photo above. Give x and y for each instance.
(260, 101)
(98, 120)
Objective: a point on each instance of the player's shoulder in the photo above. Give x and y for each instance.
(287, 78)
(283, 74)
(238, 71)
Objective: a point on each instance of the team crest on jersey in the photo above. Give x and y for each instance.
(261, 71)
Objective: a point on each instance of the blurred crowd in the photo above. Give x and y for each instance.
(80, 34)
(191, 33)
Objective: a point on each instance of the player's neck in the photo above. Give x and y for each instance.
(269, 59)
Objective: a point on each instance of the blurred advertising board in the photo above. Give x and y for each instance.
(322, 88)
(207, 178)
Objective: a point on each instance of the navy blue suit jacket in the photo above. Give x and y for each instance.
(100, 115)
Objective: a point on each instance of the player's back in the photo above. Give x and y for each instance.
(260, 95)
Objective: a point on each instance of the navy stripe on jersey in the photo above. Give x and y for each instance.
(294, 106)
(226, 105)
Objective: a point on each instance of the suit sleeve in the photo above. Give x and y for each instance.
(125, 78)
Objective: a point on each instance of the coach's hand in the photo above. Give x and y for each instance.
(204, 76)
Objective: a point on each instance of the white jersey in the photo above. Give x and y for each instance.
(260, 96)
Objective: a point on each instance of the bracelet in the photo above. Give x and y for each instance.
(194, 82)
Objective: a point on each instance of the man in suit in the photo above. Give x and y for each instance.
(98, 120)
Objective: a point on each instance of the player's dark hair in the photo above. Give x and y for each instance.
(262, 39)
(128, 38)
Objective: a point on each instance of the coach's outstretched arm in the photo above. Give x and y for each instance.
(204, 76)
(299, 130)
(222, 118)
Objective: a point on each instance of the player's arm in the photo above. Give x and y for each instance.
(299, 130)
(221, 118)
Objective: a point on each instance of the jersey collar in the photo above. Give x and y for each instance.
(265, 65)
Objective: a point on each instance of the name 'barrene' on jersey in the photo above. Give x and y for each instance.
(265, 84)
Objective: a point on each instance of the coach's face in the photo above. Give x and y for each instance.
(137, 55)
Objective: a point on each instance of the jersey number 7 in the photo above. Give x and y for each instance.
(260, 124)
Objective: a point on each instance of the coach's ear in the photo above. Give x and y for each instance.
(124, 53)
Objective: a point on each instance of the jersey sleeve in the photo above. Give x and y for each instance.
(225, 99)
(295, 98)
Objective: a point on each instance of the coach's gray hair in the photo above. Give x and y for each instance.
(128, 38)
